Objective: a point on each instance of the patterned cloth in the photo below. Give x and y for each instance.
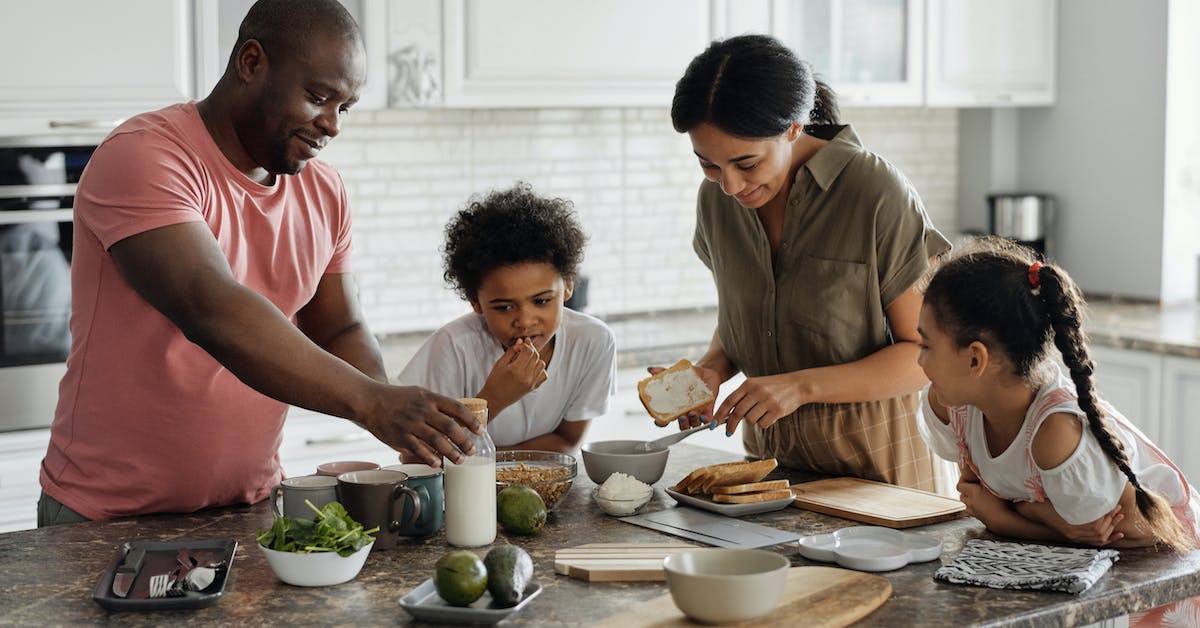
(1002, 565)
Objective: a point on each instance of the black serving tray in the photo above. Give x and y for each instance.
(160, 559)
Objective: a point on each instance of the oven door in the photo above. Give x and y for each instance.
(37, 188)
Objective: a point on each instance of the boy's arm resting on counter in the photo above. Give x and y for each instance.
(564, 439)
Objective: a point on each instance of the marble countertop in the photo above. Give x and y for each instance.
(49, 573)
(1166, 329)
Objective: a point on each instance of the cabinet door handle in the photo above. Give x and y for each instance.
(340, 438)
(85, 124)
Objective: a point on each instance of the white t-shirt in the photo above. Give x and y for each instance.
(581, 377)
(1086, 486)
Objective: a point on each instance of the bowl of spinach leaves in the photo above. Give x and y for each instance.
(328, 549)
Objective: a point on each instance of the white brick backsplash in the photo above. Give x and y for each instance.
(632, 180)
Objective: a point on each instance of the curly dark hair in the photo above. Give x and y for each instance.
(507, 227)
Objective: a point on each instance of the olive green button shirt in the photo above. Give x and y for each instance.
(855, 237)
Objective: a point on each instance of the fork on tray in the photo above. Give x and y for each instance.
(165, 585)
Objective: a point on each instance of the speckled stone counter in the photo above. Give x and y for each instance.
(48, 574)
(1165, 329)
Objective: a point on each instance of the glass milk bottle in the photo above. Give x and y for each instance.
(471, 488)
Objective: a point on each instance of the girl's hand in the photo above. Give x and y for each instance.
(517, 372)
(982, 504)
(702, 415)
(761, 401)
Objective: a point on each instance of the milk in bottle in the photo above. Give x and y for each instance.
(471, 488)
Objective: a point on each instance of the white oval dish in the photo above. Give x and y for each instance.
(318, 569)
(870, 548)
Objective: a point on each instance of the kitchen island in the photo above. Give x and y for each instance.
(49, 574)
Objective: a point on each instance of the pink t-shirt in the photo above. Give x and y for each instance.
(147, 421)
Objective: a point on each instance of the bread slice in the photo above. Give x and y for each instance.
(742, 473)
(753, 487)
(674, 392)
(705, 479)
(750, 498)
(696, 477)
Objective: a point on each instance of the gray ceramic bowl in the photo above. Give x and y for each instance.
(715, 586)
(604, 458)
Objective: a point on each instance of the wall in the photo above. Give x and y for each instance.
(632, 178)
(1181, 213)
(1100, 150)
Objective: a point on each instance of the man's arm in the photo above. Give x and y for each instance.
(333, 320)
(182, 272)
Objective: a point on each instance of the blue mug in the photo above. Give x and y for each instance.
(431, 518)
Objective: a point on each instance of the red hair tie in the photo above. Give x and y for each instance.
(1035, 279)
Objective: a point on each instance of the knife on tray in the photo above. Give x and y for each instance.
(127, 571)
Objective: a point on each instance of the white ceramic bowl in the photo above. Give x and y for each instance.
(318, 569)
(622, 507)
(870, 548)
(604, 458)
(715, 586)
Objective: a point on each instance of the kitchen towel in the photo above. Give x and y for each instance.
(1002, 565)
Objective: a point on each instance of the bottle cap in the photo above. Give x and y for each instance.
(477, 406)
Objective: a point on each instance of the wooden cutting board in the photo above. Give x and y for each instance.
(815, 597)
(616, 562)
(875, 503)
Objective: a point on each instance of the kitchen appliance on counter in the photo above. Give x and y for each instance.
(1025, 218)
(38, 176)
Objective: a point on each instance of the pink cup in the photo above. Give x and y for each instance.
(334, 469)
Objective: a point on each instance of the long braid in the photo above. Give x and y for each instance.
(1063, 302)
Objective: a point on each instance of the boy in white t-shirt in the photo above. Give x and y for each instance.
(545, 370)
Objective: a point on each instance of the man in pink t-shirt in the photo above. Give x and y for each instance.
(210, 289)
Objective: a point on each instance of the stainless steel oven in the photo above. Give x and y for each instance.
(38, 176)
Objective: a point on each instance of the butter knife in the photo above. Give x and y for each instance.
(127, 571)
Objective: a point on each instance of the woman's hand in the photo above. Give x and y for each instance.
(761, 401)
(517, 372)
(702, 415)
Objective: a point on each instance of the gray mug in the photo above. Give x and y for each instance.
(377, 499)
(318, 489)
(431, 518)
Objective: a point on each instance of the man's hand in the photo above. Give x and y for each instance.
(423, 426)
(520, 370)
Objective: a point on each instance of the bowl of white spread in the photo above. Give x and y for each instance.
(622, 495)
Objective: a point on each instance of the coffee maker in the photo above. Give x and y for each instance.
(1024, 218)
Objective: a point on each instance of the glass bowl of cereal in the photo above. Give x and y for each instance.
(547, 472)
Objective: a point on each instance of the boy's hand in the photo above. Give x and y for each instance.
(517, 372)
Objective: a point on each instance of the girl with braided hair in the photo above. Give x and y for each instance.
(1042, 457)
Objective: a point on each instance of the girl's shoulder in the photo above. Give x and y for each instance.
(1056, 439)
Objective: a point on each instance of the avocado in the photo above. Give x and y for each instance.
(520, 510)
(460, 578)
(509, 569)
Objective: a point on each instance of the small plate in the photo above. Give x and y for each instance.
(160, 559)
(870, 548)
(729, 510)
(424, 604)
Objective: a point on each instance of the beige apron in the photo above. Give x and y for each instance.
(876, 440)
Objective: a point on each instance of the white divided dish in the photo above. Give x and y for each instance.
(870, 548)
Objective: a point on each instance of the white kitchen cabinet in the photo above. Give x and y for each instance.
(310, 438)
(569, 53)
(1181, 402)
(871, 52)
(21, 456)
(1132, 382)
(217, 25)
(1160, 394)
(87, 63)
(991, 53)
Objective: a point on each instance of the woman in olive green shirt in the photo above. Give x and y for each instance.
(815, 245)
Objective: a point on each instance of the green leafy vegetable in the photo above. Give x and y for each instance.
(332, 530)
